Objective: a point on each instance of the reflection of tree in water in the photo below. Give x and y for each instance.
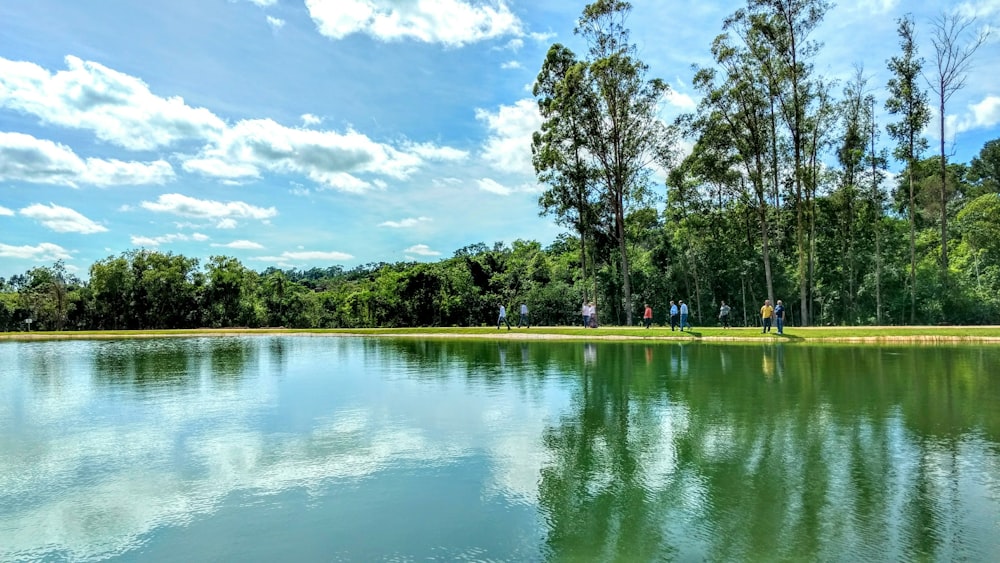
(839, 457)
(146, 364)
(229, 358)
(277, 353)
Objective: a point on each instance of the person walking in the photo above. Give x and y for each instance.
(779, 316)
(524, 316)
(684, 316)
(766, 312)
(503, 318)
(647, 316)
(724, 315)
(593, 314)
(585, 310)
(674, 314)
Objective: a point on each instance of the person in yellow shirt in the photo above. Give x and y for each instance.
(766, 312)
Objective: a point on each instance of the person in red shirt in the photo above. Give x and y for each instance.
(647, 317)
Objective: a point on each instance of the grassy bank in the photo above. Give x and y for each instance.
(980, 334)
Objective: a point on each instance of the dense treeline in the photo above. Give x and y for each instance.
(785, 195)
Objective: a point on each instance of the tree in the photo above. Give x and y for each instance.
(782, 29)
(984, 170)
(559, 151)
(736, 110)
(623, 133)
(953, 60)
(909, 102)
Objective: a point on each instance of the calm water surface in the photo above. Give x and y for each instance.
(344, 449)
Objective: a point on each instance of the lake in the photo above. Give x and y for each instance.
(297, 448)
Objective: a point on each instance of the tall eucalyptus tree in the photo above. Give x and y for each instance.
(735, 106)
(909, 102)
(559, 151)
(782, 29)
(624, 136)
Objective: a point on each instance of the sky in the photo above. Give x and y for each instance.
(313, 133)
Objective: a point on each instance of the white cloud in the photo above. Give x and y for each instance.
(981, 9)
(451, 22)
(5, 211)
(44, 252)
(405, 223)
(118, 108)
(264, 3)
(492, 186)
(514, 44)
(422, 250)
(326, 157)
(167, 239)
(28, 159)
(62, 219)
(508, 147)
(310, 119)
(275, 23)
(510, 65)
(434, 152)
(224, 214)
(681, 101)
(980, 115)
(307, 256)
(241, 245)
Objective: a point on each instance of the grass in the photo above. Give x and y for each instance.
(929, 334)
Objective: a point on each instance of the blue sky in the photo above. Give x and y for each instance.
(301, 133)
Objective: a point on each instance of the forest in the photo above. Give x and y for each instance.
(786, 193)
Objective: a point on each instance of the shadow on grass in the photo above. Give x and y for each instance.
(789, 337)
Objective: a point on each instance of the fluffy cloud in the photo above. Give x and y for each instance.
(5, 211)
(422, 250)
(62, 219)
(241, 245)
(287, 259)
(310, 119)
(326, 157)
(434, 152)
(118, 108)
(224, 214)
(44, 252)
(27, 159)
(508, 147)
(405, 223)
(275, 23)
(167, 239)
(494, 187)
(451, 22)
(981, 115)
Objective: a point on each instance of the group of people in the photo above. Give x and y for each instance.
(767, 315)
(678, 316)
(775, 313)
(502, 319)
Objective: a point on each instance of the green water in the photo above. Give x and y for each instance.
(346, 449)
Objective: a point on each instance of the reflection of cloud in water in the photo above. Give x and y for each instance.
(138, 462)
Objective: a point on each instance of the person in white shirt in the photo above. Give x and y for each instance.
(524, 316)
(585, 311)
(503, 318)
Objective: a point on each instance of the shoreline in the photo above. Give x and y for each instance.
(867, 335)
